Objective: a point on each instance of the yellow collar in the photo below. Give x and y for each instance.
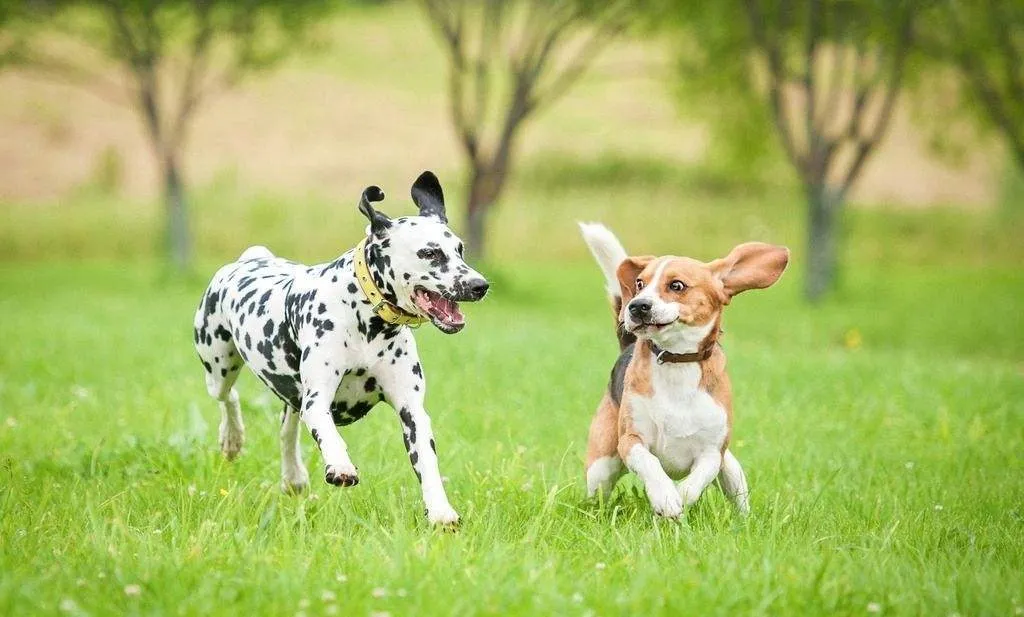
(384, 309)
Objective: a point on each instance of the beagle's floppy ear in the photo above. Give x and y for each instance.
(379, 222)
(752, 265)
(627, 272)
(428, 197)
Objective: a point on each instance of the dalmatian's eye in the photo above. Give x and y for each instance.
(677, 286)
(430, 254)
(639, 284)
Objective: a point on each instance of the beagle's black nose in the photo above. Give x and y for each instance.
(640, 308)
(478, 287)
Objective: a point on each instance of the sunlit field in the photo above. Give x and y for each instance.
(881, 433)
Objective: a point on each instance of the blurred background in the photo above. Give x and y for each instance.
(856, 131)
(879, 384)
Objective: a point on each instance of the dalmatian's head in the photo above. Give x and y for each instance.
(417, 261)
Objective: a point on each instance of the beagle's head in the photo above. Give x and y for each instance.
(677, 301)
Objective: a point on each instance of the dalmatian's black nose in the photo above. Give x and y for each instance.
(478, 288)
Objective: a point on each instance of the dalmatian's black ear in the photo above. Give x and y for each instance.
(428, 197)
(379, 222)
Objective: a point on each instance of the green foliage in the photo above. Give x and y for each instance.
(862, 432)
(971, 61)
(722, 72)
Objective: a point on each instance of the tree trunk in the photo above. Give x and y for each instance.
(824, 206)
(179, 237)
(484, 187)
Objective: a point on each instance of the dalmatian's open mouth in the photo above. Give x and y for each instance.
(443, 313)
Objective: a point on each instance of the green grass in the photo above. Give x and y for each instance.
(884, 474)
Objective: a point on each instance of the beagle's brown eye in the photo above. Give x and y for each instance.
(639, 284)
(677, 286)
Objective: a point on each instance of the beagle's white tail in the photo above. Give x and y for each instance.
(608, 252)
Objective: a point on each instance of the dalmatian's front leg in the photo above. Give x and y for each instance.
(404, 388)
(317, 393)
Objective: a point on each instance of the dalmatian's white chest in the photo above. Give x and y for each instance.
(679, 420)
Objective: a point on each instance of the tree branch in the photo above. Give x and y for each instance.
(892, 88)
(191, 94)
(604, 33)
(815, 165)
(776, 79)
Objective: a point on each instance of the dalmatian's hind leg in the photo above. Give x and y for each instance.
(294, 476)
(223, 365)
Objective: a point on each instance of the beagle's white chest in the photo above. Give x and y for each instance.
(678, 421)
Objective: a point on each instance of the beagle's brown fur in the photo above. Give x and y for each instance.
(667, 420)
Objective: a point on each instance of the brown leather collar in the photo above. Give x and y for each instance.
(704, 351)
(662, 355)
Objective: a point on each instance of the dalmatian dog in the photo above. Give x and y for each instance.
(333, 340)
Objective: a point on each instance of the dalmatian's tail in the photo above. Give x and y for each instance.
(255, 252)
(609, 253)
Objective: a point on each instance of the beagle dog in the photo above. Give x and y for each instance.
(667, 412)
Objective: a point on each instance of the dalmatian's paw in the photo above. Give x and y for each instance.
(445, 517)
(342, 475)
(295, 481)
(231, 440)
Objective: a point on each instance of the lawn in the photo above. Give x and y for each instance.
(881, 433)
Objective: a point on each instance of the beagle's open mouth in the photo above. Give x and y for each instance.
(648, 327)
(443, 313)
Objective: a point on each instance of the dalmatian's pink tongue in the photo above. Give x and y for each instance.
(439, 308)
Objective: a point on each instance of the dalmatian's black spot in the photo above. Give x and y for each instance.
(370, 385)
(268, 328)
(352, 288)
(407, 422)
(223, 372)
(376, 327)
(417, 370)
(285, 386)
(206, 365)
(222, 333)
(263, 302)
(432, 446)
(321, 309)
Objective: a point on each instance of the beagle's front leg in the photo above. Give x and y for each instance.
(705, 467)
(661, 491)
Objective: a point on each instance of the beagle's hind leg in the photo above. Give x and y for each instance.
(734, 483)
(604, 467)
